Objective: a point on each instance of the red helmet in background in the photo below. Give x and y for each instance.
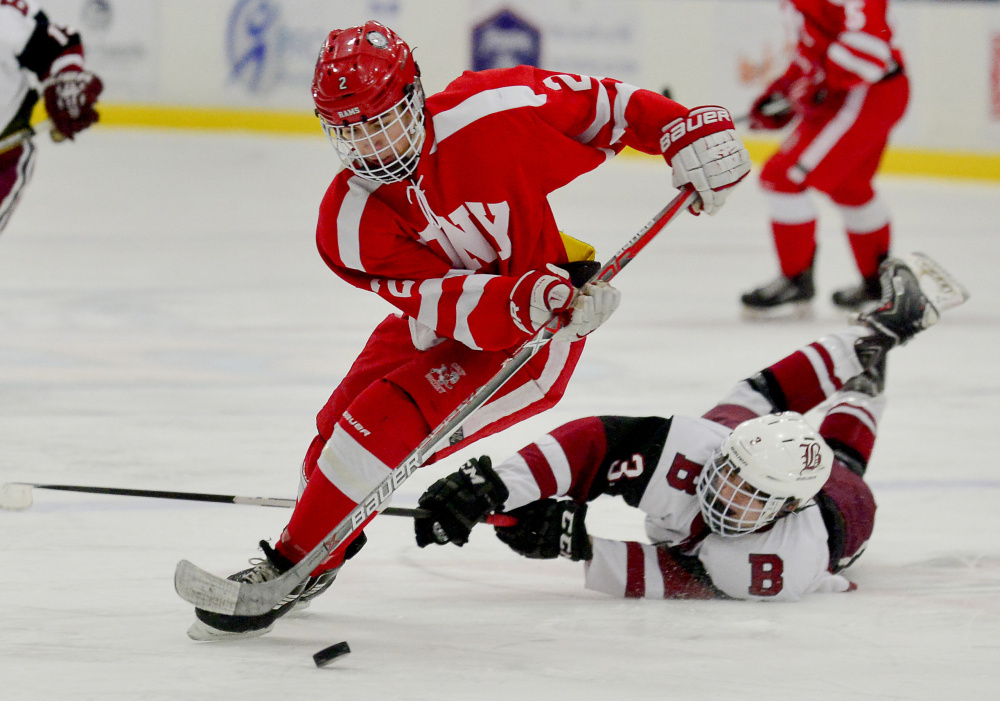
(368, 96)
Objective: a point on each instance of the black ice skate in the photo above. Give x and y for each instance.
(914, 293)
(864, 295)
(781, 297)
(219, 626)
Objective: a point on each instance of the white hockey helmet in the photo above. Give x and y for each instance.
(765, 469)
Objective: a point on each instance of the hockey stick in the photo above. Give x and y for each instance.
(16, 496)
(212, 593)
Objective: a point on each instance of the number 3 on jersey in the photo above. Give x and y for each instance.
(629, 469)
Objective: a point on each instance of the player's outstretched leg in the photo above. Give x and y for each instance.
(219, 626)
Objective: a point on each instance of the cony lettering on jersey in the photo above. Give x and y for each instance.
(473, 235)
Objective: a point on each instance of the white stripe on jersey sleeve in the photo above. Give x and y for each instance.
(349, 221)
(482, 105)
(521, 484)
(607, 570)
(430, 294)
(624, 91)
(601, 117)
(472, 292)
(558, 463)
(349, 467)
(851, 62)
(871, 64)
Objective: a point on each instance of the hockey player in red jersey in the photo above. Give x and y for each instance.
(748, 501)
(39, 57)
(442, 211)
(847, 88)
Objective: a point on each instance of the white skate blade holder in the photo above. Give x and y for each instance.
(941, 287)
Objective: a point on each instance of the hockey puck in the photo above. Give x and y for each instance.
(329, 654)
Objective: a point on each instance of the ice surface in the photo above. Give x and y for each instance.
(166, 323)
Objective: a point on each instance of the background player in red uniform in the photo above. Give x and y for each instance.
(847, 88)
(442, 210)
(747, 501)
(38, 56)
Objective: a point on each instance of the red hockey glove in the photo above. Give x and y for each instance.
(70, 97)
(594, 305)
(539, 294)
(772, 110)
(704, 150)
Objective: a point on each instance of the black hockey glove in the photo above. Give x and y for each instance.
(458, 502)
(547, 529)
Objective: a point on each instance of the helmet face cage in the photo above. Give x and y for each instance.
(385, 148)
(733, 507)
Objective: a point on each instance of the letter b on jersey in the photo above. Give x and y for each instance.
(765, 575)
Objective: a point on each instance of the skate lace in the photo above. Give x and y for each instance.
(261, 570)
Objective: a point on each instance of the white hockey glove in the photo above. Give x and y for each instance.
(539, 294)
(704, 150)
(594, 305)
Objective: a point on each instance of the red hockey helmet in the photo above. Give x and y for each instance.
(368, 96)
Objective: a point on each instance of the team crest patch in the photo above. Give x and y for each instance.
(811, 457)
(445, 377)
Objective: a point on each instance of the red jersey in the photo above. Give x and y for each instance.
(844, 42)
(447, 248)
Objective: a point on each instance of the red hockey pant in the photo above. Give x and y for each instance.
(392, 398)
(836, 150)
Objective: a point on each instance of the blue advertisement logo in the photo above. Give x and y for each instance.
(505, 40)
(265, 52)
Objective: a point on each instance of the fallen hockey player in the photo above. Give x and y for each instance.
(748, 501)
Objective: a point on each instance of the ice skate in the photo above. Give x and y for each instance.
(863, 295)
(913, 295)
(217, 626)
(782, 298)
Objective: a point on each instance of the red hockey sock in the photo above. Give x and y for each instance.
(320, 508)
(869, 249)
(382, 422)
(796, 246)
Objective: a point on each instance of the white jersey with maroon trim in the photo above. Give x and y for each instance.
(31, 48)
(653, 463)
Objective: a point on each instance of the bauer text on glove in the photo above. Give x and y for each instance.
(704, 151)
